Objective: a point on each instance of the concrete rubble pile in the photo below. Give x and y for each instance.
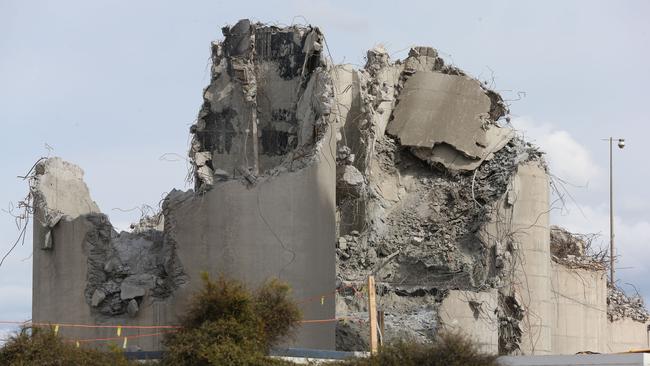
(620, 306)
(575, 250)
(424, 156)
(322, 175)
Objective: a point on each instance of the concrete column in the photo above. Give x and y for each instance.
(529, 197)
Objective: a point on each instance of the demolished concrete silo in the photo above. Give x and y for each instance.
(263, 204)
(322, 175)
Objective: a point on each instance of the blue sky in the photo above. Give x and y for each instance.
(113, 85)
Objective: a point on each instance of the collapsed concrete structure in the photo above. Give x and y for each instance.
(263, 207)
(321, 175)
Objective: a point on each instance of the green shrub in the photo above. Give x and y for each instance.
(41, 346)
(226, 324)
(449, 349)
(279, 316)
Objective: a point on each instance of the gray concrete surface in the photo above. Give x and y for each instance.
(282, 227)
(475, 314)
(532, 278)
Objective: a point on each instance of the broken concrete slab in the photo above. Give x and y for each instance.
(435, 108)
(98, 297)
(130, 291)
(58, 191)
(423, 59)
(451, 158)
(446, 119)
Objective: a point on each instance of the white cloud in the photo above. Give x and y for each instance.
(571, 161)
(567, 158)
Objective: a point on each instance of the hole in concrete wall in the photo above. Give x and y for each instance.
(219, 132)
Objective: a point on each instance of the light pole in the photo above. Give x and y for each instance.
(612, 255)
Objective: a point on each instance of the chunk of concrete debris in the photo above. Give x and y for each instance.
(205, 174)
(446, 119)
(98, 297)
(423, 59)
(202, 158)
(136, 285)
(132, 308)
(129, 291)
(344, 155)
(343, 243)
(47, 241)
(351, 176)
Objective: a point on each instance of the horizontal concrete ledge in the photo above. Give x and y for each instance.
(636, 359)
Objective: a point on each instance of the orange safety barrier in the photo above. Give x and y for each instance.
(91, 325)
(118, 338)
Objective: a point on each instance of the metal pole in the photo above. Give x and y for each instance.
(611, 217)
